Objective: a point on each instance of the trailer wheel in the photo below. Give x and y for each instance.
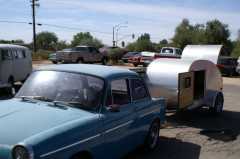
(152, 139)
(218, 105)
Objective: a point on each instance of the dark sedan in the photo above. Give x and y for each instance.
(227, 65)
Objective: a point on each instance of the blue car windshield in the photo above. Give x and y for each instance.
(83, 90)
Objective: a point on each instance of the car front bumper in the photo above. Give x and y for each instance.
(5, 152)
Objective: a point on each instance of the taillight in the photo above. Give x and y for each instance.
(220, 65)
(156, 56)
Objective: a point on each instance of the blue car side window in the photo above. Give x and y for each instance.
(139, 90)
(119, 93)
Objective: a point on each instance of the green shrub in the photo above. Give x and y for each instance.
(41, 55)
(114, 55)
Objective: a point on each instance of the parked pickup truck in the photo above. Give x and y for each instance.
(80, 54)
(166, 52)
(79, 111)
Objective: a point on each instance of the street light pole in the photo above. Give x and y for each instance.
(119, 27)
(114, 27)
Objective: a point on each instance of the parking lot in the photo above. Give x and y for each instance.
(198, 134)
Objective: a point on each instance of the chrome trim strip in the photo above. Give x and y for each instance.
(66, 147)
(147, 113)
(5, 146)
(85, 140)
(119, 126)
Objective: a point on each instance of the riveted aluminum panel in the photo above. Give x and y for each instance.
(202, 52)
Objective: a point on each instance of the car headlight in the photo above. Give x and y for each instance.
(21, 152)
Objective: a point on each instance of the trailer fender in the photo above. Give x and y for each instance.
(210, 97)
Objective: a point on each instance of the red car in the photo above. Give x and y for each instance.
(135, 60)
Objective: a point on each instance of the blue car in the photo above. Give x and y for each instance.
(79, 112)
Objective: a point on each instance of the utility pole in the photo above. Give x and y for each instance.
(34, 4)
(113, 36)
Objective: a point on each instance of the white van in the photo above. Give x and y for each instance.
(15, 65)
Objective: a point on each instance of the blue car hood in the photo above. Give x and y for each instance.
(20, 120)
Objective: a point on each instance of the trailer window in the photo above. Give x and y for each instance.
(139, 90)
(187, 82)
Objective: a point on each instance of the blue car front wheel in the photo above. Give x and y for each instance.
(153, 136)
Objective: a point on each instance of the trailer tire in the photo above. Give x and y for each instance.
(152, 138)
(218, 105)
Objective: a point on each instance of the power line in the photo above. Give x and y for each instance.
(56, 26)
(75, 28)
(12, 22)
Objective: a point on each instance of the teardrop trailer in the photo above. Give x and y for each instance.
(190, 82)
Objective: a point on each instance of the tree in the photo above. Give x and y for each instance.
(143, 43)
(131, 46)
(85, 38)
(236, 50)
(61, 45)
(214, 32)
(46, 40)
(183, 34)
(198, 34)
(217, 32)
(238, 36)
(163, 42)
(236, 47)
(18, 41)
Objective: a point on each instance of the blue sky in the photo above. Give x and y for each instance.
(157, 17)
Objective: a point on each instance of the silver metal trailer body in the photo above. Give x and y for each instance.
(202, 52)
(186, 83)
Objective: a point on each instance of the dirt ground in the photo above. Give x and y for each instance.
(198, 134)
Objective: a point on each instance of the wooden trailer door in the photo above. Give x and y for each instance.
(185, 87)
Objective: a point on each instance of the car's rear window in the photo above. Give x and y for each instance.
(167, 51)
(227, 61)
(81, 49)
